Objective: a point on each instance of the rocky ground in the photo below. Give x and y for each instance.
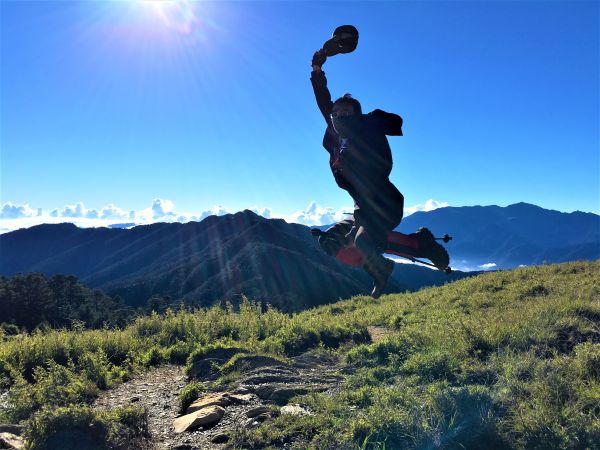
(261, 392)
(257, 389)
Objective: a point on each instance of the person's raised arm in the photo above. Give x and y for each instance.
(319, 84)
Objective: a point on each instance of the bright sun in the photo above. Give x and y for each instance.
(178, 15)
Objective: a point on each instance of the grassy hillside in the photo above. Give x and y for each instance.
(506, 360)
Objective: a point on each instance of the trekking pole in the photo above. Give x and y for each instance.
(447, 270)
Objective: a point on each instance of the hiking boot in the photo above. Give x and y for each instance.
(380, 269)
(430, 249)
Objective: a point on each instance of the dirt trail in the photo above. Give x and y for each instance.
(270, 386)
(377, 333)
(156, 390)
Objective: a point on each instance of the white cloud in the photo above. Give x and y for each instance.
(315, 214)
(11, 211)
(161, 208)
(78, 210)
(164, 210)
(73, 211)
(267, 213)
(487, 266)
(216, 210)
(111, 211)
(429, 205)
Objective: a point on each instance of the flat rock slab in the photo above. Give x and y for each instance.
(202, 418)
(270, 378)
(11, 428)
(11, 441)
(257, 411)
(241, 398)
(281, 393)
(218, 399)
(220, 438)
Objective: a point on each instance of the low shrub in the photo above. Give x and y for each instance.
(83, 428)
(189, 394)
(53, 386)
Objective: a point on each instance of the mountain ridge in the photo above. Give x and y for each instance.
(225, 257)
(518, 234)
(200, 263)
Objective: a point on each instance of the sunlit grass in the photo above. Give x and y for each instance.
(510, 359)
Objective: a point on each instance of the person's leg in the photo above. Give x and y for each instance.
(378, 216)
(420, 244)
(338, 241)
(333, 239)
(370, 239)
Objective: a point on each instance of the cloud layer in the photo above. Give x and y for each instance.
(12, 211)
(14, 216)
(429, 205)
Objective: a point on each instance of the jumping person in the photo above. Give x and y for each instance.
(360, 159)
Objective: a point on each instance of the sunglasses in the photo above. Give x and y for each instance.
(335, 114)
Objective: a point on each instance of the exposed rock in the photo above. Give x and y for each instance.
(11, 428)
(158, 391)
(251, 362)
(262, 417)
(241, 390)
(270, 378)
(11, 441)
(255, 421)
(294, 410)
(220, 438)
(251, 423)
(240, 398)
(257, 411)
(280, 394)
(202, 418)
(264, 391)
(204, 368)
(314, 361)
(218, 399)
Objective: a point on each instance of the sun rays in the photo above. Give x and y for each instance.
(184, 17)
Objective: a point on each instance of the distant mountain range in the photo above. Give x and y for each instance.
(223, 257)
(507, 237)
(200, 263)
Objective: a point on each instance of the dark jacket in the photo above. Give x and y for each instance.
(363, 166)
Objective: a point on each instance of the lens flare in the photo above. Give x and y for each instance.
(181, 16)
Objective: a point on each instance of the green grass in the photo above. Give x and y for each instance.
(509, 359)
(82, 428)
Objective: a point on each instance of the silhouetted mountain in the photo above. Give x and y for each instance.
(198, 262)
(511, 236)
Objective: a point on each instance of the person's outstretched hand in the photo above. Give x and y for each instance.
(318, 59)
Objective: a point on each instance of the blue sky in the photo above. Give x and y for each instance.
(203, 104)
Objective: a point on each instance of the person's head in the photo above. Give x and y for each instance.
(345, 112)
(346, 106)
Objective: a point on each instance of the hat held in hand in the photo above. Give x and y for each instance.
(344, 40)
